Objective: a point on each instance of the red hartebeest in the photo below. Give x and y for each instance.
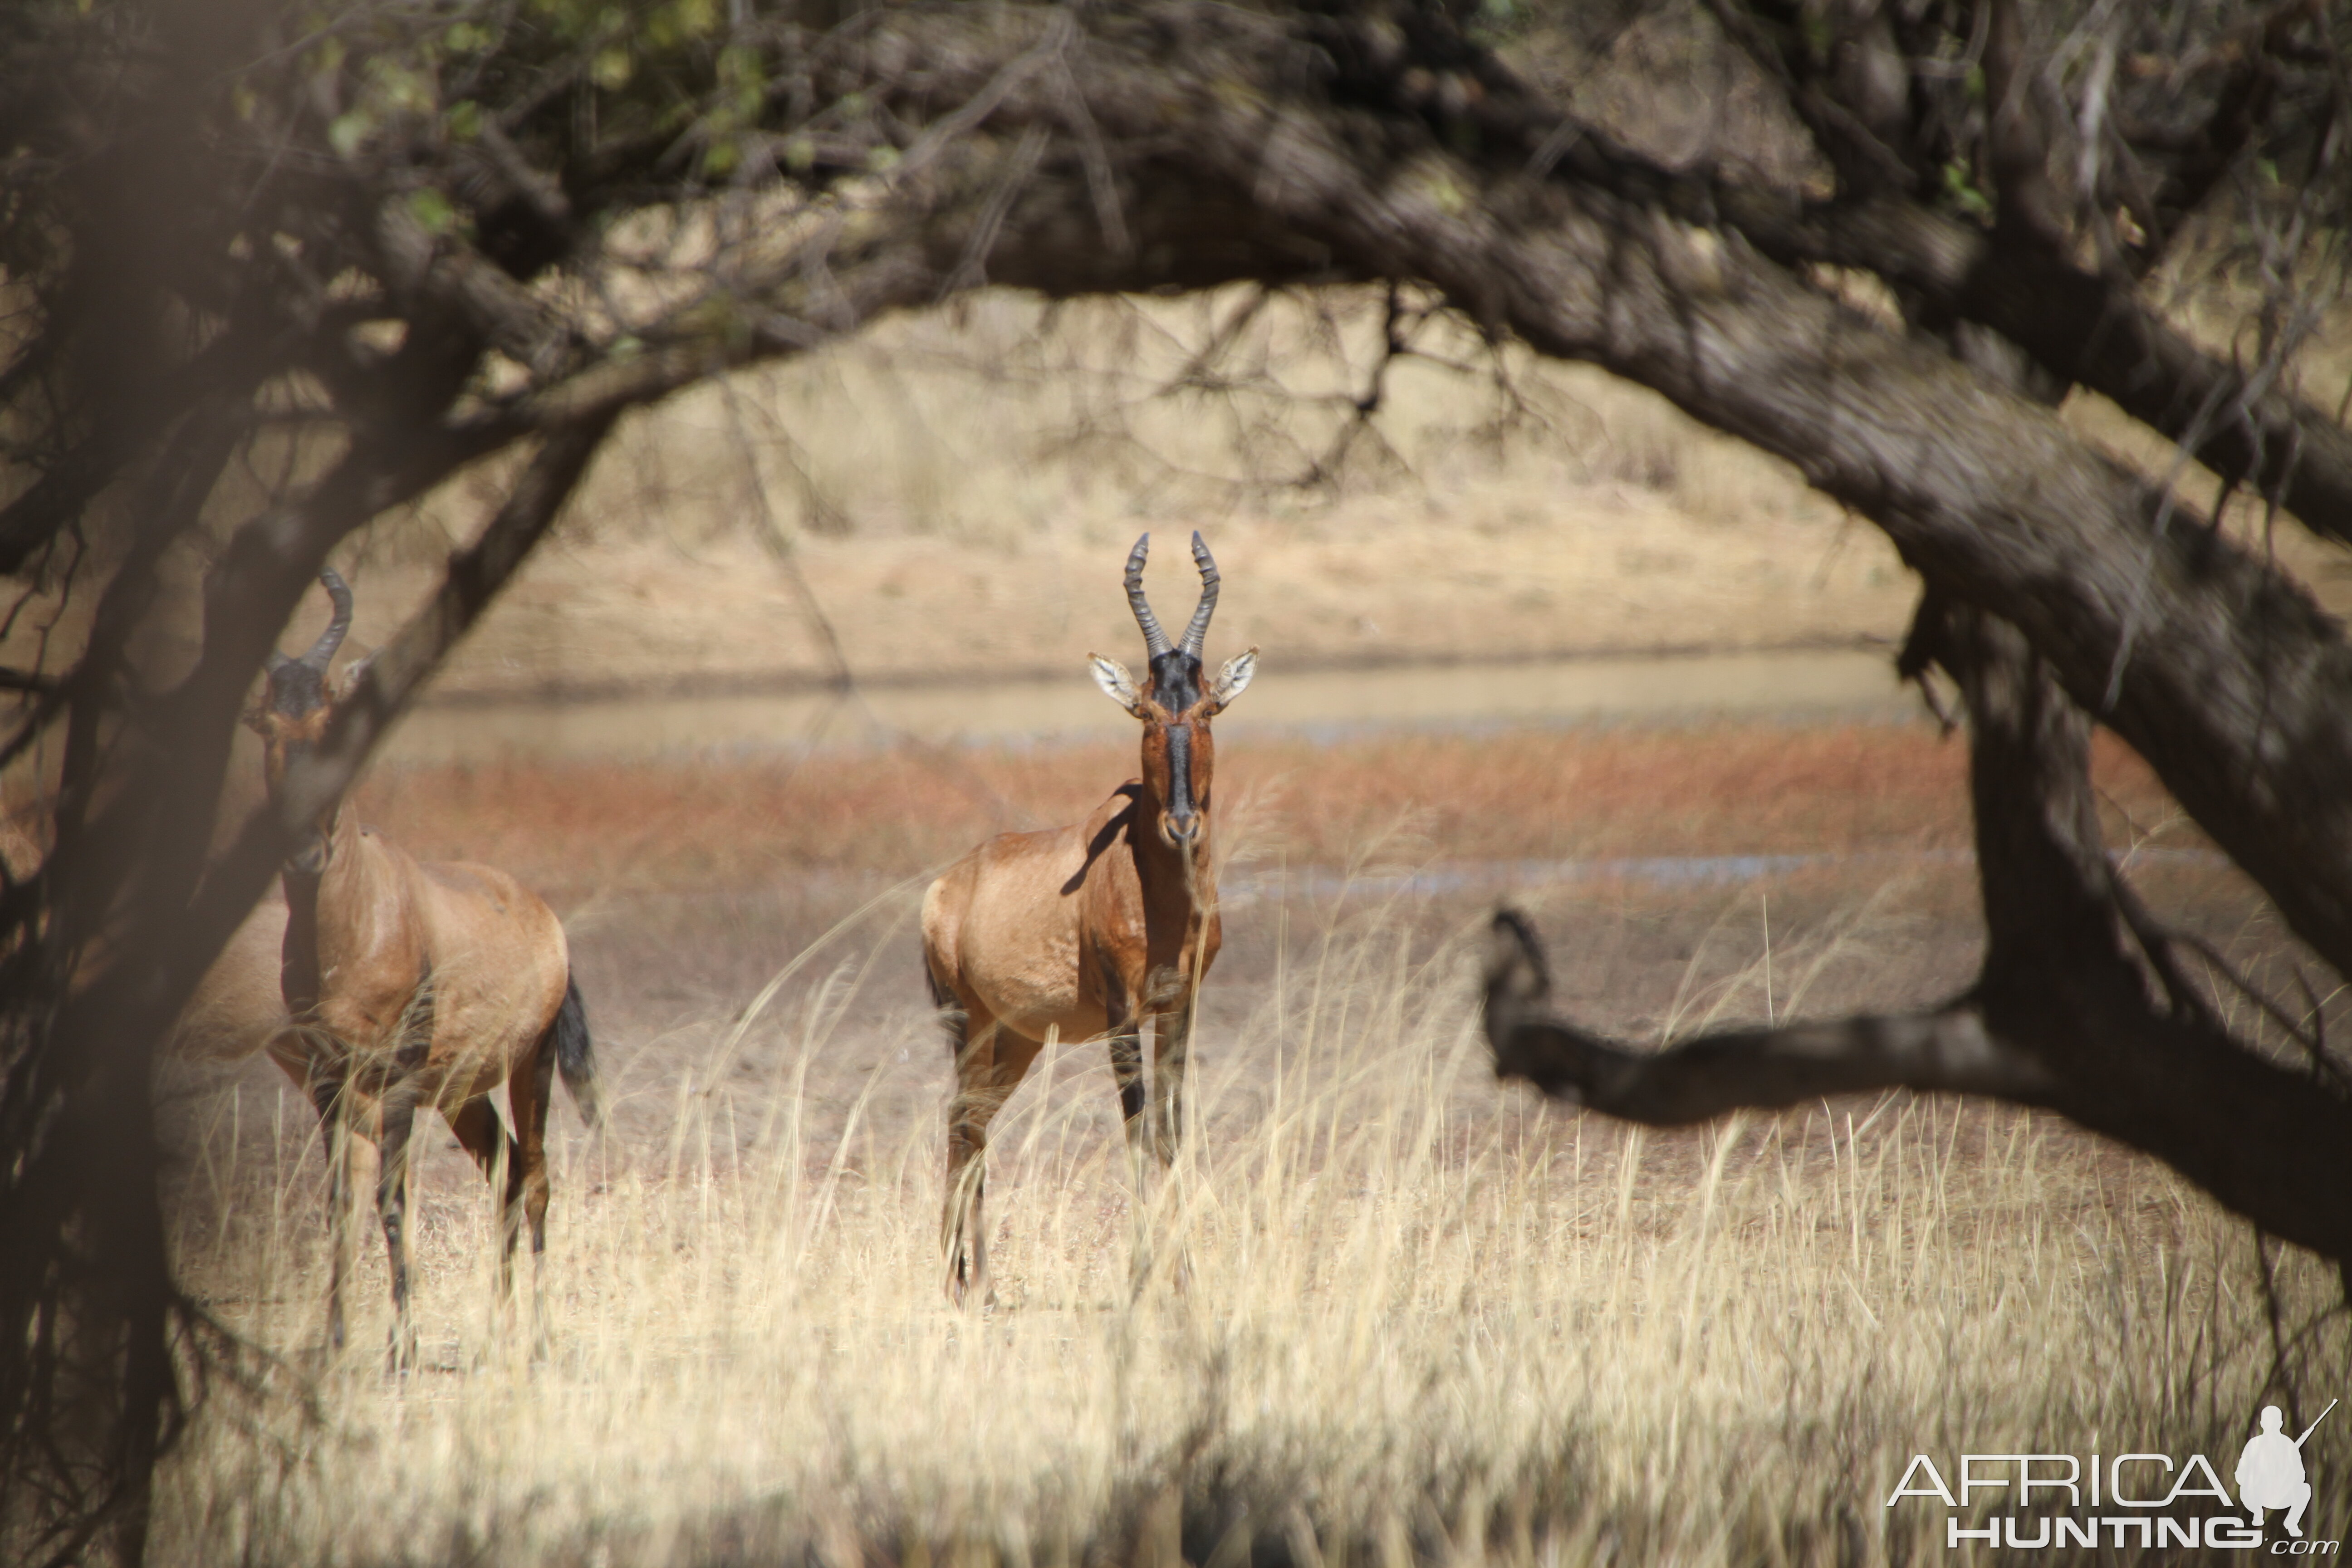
(1088, 929)
(417, 984)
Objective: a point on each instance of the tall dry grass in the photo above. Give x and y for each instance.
(1424, 1319)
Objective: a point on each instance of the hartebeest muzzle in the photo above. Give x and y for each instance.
(1180, 821)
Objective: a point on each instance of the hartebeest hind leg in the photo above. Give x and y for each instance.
(499, 1157)
(531, 1091)
(989, 1061)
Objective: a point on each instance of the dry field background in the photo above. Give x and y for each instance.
(949, 495)
(1427, 1319)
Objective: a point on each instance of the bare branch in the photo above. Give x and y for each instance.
(1942, 1050)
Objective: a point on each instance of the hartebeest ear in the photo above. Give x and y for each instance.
(1234, 679)
(348, 682)
(255, 718)
(1116, 684)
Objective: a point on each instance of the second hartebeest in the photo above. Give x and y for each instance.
(1087, 931)
(415, 983)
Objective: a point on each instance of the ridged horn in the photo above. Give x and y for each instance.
(323, 650)
(1197, 634)
(1155, 641)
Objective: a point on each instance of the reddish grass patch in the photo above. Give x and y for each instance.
(1728, 789)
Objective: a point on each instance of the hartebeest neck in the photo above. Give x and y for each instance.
(304, 879)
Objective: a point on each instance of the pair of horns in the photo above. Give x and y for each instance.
(323, 650)
(1155, 641)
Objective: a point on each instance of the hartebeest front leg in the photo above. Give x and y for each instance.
(405, 1047)
(1172, 1042)
(392, 1208)
(329, 1095)
(1125, 1044)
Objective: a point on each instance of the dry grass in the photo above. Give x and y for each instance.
(1428, 1319)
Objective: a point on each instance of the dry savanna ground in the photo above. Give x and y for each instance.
(1422, 1317)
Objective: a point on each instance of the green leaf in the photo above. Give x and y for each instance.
(349, 132)
(1961, 186)
(432, 208)
(611, 69)
(463, 121)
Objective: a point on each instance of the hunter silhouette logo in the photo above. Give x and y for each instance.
(2270, 1471)
(2145, 1499)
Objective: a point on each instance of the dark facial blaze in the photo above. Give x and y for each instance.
(1181, 819)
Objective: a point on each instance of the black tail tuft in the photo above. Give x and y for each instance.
(940, 995)
(575, 1055)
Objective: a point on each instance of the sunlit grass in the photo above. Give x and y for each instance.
(1422, 1317)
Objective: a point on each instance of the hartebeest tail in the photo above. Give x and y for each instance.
(1089, 930)
(415, 986)
(576, 1054)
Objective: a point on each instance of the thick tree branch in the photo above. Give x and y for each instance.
(2245, 426)
(1941, 1049)
(2065, 1016)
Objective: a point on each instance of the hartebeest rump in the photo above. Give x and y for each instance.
(1088, 929)
(417, 984)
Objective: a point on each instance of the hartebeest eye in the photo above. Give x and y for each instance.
(1233, 679)
(1117, 683)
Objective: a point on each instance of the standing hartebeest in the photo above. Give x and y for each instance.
(415, 983)
(1088, 929)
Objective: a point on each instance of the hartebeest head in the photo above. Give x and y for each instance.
(297, 703)
(1178, 755)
